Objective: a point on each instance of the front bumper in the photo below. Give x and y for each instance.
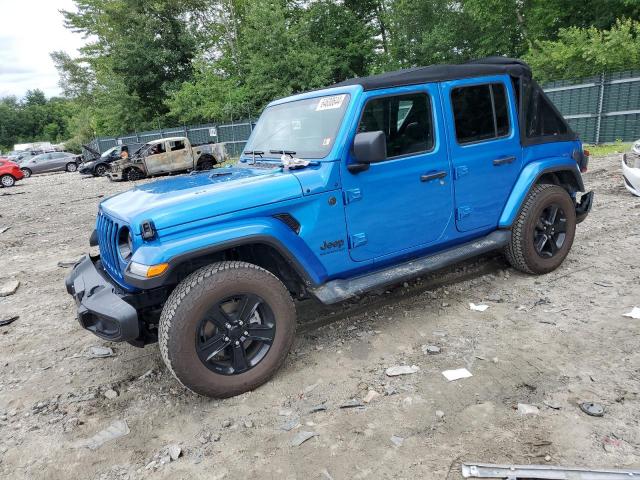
(101, 308)
(86, 169)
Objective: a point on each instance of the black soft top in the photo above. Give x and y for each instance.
(440, 73)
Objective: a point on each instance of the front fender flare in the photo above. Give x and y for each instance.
(268, 231)
(528, 178)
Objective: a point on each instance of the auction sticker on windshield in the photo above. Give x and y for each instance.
(330, 103)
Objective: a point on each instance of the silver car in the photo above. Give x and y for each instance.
(50, 162)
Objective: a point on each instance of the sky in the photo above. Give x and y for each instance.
(29, 31)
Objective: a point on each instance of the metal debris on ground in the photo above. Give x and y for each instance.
(592, 409)
(478, 308)
(457, 374)
(9, 288)
(8, 320)
(524, 409)
(96, 351)
(634, 313)
(290, 424)
(302, 437)
(397, 441)
(317, 408)
(4, 229)
(401, 370)
(353, 403)
(116, 430)
(543, 472)
(430, 349)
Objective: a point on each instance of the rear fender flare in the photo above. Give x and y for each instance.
(529, 176)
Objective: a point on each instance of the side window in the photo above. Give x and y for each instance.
(177, 145)
(406, 121)
(480, 112)
(541, 119)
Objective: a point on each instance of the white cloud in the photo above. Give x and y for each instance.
(30, 31)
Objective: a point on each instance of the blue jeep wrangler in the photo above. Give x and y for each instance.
(339, 191)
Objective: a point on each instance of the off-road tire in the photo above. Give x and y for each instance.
(7, 180)
(100, 170)
(520, 251)
(133, 174)
(72, 167)
(26, 172)
(185, 307)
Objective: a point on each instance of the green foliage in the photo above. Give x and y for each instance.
(582, 52)
(33, 119)
(156, 63)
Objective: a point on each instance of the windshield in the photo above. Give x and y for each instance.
(109, 152)
(306, 127)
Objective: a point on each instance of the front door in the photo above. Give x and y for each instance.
(158, 159)
(484, 144)
(404, 202)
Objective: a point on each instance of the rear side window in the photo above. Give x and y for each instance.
(406, 121)
(177, 145)
(480, 112)
(542, 120)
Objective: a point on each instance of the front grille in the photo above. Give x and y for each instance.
(108, 243)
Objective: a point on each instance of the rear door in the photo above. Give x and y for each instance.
(485, 148)
(180, 157)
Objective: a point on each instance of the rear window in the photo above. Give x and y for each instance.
(480, 112)
(542, 119)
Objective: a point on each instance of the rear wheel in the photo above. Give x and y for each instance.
(227, 328)
(72, 167)
(544, 230)
(100, 170)
(7, 181)
(26, 172)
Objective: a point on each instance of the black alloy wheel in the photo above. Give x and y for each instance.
(550, 231)
(100, 170)
(235, 334)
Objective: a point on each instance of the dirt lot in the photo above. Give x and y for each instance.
(550, 341)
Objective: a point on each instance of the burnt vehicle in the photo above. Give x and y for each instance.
(99, 164)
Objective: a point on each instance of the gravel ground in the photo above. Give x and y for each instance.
(552, 342)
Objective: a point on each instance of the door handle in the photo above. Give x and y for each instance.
(504, 161)
(427, 177)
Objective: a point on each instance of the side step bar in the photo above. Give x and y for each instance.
(339, 290)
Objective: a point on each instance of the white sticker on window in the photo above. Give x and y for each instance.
(330, 103)
(326, 141)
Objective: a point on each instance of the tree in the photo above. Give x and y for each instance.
(582, 52)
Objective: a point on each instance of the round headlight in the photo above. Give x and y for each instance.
(125, 243)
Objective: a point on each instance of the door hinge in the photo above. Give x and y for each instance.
(352, 195)
(462, 212)
(461, 171)
(357, 240)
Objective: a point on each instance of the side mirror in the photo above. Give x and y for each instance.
(368, 147)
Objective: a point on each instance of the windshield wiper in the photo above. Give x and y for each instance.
(291, 153)
(253, 154)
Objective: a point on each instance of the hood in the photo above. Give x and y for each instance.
(203, 195)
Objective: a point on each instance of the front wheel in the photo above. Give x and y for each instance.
(544, 230)
(71, 167)
(26, 172)
(207, 163)
(227, 328)
(133, 174)
(7, 181)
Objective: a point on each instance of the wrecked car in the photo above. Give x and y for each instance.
(98, 164)
(339, 191)
(167, 155)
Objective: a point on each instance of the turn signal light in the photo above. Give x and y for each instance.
(148, 271)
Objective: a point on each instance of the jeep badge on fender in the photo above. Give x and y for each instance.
(431, 165)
